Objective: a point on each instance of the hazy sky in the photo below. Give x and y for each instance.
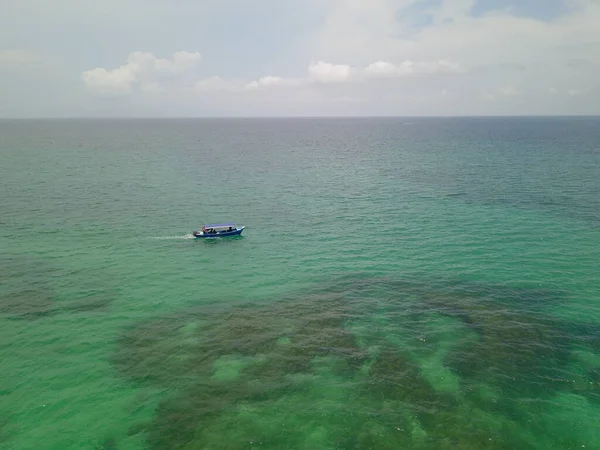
(298, 57)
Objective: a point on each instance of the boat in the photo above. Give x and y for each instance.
(219, 230)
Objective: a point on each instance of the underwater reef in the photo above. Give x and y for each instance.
(33, 289)
(369, 363)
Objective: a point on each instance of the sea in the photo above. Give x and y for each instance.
(401, 283)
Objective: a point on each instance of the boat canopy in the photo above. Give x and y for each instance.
(220, 225)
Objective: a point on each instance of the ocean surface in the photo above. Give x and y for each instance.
(424, 284)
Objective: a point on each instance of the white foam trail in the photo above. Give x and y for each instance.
(165, 238)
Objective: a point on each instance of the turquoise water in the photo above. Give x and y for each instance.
(432, 285)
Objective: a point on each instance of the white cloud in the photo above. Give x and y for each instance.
(494, 40)
(452, 10)
(142, 68)
(385, 68)
(274, 81)
(324, 72)
(182, 61)
(361, 31)
(269, 81)
(106, 82)
(415, 56)
(388, 69)
(149, 73)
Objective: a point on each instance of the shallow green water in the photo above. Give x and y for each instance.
(425, 286)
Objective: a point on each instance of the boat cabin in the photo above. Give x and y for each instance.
(219, 228)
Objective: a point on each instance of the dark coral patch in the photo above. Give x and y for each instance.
(242, 368)
(32, 289)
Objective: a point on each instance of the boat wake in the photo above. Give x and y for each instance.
(167, 238)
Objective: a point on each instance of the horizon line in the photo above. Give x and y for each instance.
(465, 116)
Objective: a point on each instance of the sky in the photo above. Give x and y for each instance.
(214, 58)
